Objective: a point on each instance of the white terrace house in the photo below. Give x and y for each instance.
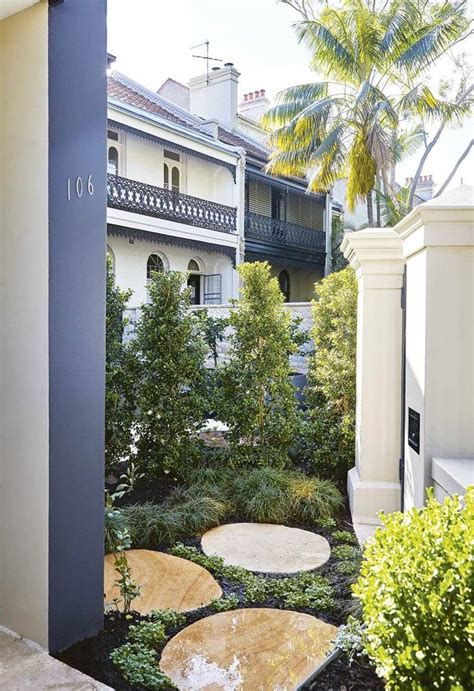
(186, 191)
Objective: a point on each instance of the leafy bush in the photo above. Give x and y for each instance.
(116, 530)
(119, 368)
(138, 664)
(170, 350)
(328, 432)
(417, 599)
(258, 399)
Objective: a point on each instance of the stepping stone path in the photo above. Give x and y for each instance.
(266, 548)
(167, 582)
(264, 649)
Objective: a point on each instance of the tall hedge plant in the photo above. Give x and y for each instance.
(258, 399)
(119, 376)
(170, 352)
(331, 391)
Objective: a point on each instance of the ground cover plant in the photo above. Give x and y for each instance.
(416, 591)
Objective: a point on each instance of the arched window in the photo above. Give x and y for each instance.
(193, 266)
(113, 160)
(284, 282)
(111, 258)
(154, 264)
(175, 179)
(166, 176)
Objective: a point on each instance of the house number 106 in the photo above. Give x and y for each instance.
(79, 187)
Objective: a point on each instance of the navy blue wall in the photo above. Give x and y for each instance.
(77, 241)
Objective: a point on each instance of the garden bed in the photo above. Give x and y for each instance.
(92, 656)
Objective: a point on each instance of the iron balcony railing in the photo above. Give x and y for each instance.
(274, 231)
(140, 198)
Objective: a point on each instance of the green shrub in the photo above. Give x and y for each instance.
(170, 350)
(344, 536)
(155, 525)
(258, 399)
(224, 604)
(271, 495)
(213, 564)
(138, 664)
(119, 376)
(348, 568)
(416, 591)
(346, 552)
(149, 633)
(168, 618)
(328, 432)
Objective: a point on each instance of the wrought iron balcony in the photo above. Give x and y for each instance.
(140, 198)
(276, 232)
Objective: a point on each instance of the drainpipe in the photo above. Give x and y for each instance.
(328, 233)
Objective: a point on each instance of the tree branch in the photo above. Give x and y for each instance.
(452, 173)
(462, 97)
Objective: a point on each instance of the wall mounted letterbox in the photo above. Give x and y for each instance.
(414, 430)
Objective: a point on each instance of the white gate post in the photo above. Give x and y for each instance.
(374, 484)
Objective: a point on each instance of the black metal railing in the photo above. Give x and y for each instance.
(140, 198)
(272, 230)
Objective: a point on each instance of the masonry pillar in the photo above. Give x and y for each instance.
(373, 484)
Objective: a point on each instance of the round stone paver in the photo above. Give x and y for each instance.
(167, 582)
(264, 649)
(266, 547)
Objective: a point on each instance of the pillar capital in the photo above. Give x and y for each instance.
(376, 251)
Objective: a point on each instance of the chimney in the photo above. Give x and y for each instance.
(254, 105)
(425, 187)
(215, 97)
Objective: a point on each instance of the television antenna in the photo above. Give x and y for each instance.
(206, 57)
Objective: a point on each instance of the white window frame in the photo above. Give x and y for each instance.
(172, 163)
(120, 146)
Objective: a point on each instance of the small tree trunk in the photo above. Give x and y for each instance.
(377, 204)
(370, 210)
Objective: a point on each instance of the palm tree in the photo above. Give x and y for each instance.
(372, 61)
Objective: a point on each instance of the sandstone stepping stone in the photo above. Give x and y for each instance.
(266, 547)
(264, 649)
(167, 582)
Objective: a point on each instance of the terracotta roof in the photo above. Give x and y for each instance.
(124, 89)
(237, 140)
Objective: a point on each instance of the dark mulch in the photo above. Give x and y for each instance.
(91, 656)
(342, 676)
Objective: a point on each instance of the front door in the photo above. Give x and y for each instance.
(194, 282)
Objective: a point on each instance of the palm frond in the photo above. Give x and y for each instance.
(329, 53)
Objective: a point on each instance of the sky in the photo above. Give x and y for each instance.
(154, 39)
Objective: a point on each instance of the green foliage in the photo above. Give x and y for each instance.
(170, 350)
(224, 604)
(129, 589)
(344, 536)
(350, 638)
(148, 633)
(168, 618)
(329, 435)
(308, 590)
(154, 525)
(372, 58)
(138, 664)
(346, 552)
(119, 367)
(416, 591)
(348, 568)
(213, 330)
(116, 531)
(213, 564)
(269, 495)
(258, 399)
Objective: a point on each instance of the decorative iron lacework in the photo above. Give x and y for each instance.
(273, 231)
(160, 239)
(140, 198)
(175, 147)
(308, 262)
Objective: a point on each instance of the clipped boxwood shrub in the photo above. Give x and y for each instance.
(416, 590)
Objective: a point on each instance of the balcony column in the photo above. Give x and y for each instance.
(374, 484)
(240, 222)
